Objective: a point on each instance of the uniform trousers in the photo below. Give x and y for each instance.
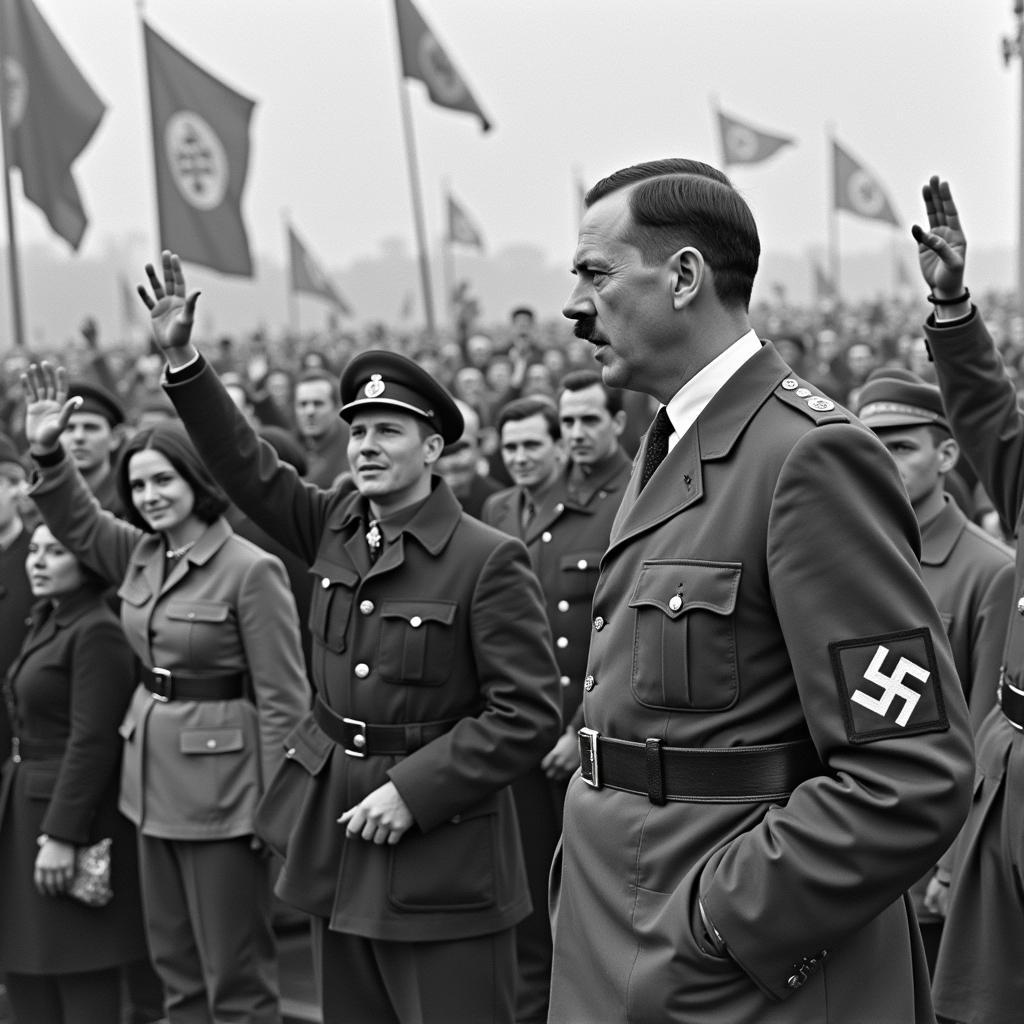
(207, 909)
(373, 981)
(539, 803)
(89, 997)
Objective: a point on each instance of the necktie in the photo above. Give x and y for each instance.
(374, 540)
(657, 445)
(526, 514)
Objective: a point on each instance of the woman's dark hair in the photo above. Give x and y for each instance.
(171, 441)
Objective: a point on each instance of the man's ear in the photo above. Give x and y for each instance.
(433, 446)
(949, 454)
(688, 272)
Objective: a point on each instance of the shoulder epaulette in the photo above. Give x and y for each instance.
(797, 394)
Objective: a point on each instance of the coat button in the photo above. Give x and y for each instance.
(366, 607)
(290, 752)
(562, 642)
(599, 623)
(795, 980)
(359, 741)
(564, 680)
(415, 622)
(325, 583)
(191, 615)
(588, 683)
(803, 393)
(546, 536)
(675, 603)
(790, 385)
(581, 564)
(362, 670)
(563, 606)
(211, 744)
(560, 508)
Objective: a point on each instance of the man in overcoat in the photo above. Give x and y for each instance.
(776, 743)
(577, 499)
(435, 687)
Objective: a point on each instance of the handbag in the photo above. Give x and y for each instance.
(91, 883)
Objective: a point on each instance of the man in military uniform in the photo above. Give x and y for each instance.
(435, 685)
(576, 501)
(968, 573)
(92, 439)
(776, 743)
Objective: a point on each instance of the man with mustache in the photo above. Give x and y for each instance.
(776, 744)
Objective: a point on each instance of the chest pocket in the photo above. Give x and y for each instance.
(206, 621)
(684, 644)
(579, 571)
(417, 642)
(331, 603)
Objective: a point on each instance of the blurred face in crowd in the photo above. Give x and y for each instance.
(390, 453)
(861, 360)
(827, 345)
(589, 430)
(537, 380)
(279, 387)
(315, 408)
(12, 487)
(52, 570)
(921, 459)
(499, 375)
(532, 456)
(459, 468)
(160, 494)
(90, 440)
(479, 350)
(469, 384)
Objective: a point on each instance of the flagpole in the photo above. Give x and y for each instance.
(417, 205)
(291, 298)
(832, 233)
(13, 267)
(448, 255)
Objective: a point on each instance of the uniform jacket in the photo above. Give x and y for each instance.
(972, 980)
(763, 588)
(192, 769)
(566, 539)
(69, 686)
(448, 624)
(15, 602)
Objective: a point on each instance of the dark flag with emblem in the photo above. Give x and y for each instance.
(50, 114)
(744, 144)
(462, 230)
(857, 190)
(425, 59)
(309, 277)
(201, 156)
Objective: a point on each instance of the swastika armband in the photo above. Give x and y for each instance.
(888, 686)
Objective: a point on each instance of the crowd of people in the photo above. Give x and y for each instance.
(631, 670)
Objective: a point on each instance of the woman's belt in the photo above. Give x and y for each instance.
(166, 686)
(699, 774)
(360, 739)
(1011, 700)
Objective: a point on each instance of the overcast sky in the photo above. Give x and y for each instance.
(908, 86)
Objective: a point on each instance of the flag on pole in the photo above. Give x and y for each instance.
(425, 59)
(201, 155)
(308, 276)
(51, 112)
(857, 190)
(461, 229)
(824, 289)
(742, 143)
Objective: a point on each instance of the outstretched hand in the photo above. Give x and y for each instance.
(942, 249)
(49, 408)
(171, 311)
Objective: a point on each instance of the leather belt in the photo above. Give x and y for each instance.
(166, 686)
(708, 774)
(1011, 700)
(360, 739)
(36, 750)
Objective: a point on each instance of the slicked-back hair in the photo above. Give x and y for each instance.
(171, 441)
(532, 405)
(678, 202)
(580, 380)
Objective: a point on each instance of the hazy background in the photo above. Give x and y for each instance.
(573, 87)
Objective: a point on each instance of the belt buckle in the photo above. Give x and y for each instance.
(167, 680)
(589, 771)
(358, 740)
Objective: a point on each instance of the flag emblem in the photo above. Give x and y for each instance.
(864, 194)
(196, 160)
(741, 143)
(857, 190)
(441, 74)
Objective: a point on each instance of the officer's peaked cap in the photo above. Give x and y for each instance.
(97, 400)
(898, 398)
(382, 378)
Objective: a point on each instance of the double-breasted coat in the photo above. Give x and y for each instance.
(976, 978)
(68, 690)
(447, 624)
(763, 588)
(192, 769)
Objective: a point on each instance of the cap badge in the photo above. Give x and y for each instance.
(374, 386)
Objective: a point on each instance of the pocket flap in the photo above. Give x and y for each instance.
(417, 612)
(211, 741)
(678, 587)
(135, 591)
(334, 574)
(581, 561)
(308, 745)
(198, 611)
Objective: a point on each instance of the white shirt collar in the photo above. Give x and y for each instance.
(693, 397)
